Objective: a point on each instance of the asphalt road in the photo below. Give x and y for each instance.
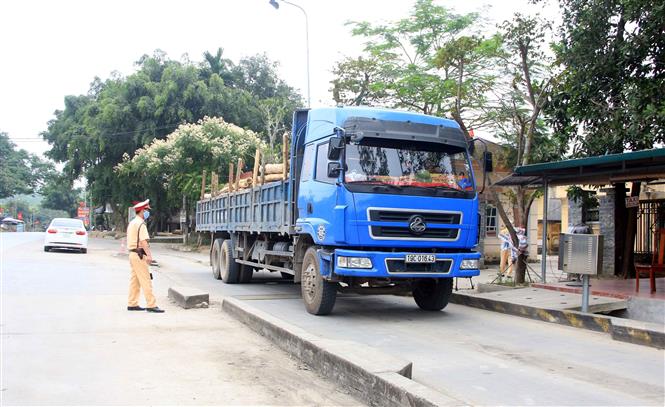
(67, 339)
(477, 356)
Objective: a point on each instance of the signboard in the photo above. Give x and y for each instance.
(632, 202)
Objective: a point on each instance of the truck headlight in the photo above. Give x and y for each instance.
(354, 262)
(469, 264)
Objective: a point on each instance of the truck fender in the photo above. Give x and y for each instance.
(303, 242)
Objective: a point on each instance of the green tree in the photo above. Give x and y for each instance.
(122, 114)
(609, 98)
(20, 172)
(433, 61)
(516, 112)
(176, 163)
(59, 194)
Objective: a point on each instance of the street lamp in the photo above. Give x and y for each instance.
(275, 4)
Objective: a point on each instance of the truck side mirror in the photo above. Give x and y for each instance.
(334, 169)
(335, 146)
(488, 162)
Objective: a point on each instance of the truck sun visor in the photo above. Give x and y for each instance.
(360, 127)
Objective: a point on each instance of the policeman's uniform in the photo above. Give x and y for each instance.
(137, 231)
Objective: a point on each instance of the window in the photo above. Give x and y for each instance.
(307, 164)
(322, 164)
(490, 220)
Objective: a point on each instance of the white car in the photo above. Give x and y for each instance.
(66, 233)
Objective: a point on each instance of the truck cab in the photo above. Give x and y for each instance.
(382, 201)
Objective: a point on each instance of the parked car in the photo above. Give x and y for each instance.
(64, 233)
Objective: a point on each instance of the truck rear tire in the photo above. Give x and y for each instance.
(432, 294)
(229, 269)
(214, 258)
(318, 295)
(246, 273)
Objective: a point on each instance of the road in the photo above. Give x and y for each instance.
(67, 339)
(476, 356)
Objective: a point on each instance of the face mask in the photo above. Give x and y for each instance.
(146, 214)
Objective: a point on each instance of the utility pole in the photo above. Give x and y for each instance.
(183, 219)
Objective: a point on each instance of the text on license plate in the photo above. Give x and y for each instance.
(420, 258)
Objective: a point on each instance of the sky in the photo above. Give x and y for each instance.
(50, 49)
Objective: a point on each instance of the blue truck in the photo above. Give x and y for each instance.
(377, 201)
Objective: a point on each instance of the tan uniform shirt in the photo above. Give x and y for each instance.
(136, 229)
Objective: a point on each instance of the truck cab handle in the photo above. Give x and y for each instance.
(310, 209)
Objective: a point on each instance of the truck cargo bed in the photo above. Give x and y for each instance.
(258, 209)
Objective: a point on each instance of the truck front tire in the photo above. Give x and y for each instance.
(318, 294)
(229, 269)
(432, 294)
(214, 258)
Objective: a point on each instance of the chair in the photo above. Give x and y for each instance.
(656, 265)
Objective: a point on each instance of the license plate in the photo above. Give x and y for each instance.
(420, 258)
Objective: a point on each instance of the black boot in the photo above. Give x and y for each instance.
(135, 308)
(154, 309)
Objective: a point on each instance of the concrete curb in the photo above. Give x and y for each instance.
(189, 297)
(621, 330)
(377, 378)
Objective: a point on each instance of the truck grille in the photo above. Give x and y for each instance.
(403, 232)
(403, 216)
(396, 231)
(399, 266)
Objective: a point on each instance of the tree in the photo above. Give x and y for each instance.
(59, 194)
(175, 164)
(122, 114)
(517, 114)
(273, 114)
(609, 98)
(432, 61)
(20, 172)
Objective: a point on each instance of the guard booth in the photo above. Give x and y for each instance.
(646, 167)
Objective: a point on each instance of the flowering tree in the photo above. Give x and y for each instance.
(170, 168)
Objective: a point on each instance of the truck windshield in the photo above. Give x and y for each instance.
(380, 165)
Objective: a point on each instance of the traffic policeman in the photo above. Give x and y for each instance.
(140, 258)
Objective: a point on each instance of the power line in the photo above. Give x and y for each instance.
(124, 133)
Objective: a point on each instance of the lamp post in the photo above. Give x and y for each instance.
(275, 4)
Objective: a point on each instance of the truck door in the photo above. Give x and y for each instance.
(318, 194)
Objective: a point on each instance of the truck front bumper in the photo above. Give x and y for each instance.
(393, 265)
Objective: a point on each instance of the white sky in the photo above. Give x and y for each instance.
(49, 49)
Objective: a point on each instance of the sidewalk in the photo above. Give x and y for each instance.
(536, 303)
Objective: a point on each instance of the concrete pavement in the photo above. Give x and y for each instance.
(67, 339)
(472, 355)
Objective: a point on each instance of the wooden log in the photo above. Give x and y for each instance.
(263, 170)
(230, 177)
(203, 184)
(273, 168)
(285, 155)
(274, 177)
(257, 158)
(238, 172)
(214, 184)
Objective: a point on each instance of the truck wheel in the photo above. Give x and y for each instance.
(432, 294)
(214, 258)
(319, 295)
(229, 269)
(246, 273)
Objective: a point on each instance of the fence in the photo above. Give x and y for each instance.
(650, 218)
